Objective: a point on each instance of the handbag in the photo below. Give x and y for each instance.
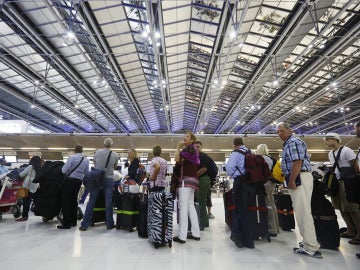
(351, 182)
(129, 186)
(95, 178)
(23, 192)
(330, 180)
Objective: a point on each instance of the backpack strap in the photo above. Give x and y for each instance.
(274, 160)
(107, 161)
(243, 153)
(336, 163)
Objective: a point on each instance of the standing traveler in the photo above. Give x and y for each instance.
(349, 211)
(29, 174)
(273, 221)
(296, 167)
(74, 169)
(100, 158)
(158, 168)
(242, 192)
(188, 159)
(204, 185)
(134, 165)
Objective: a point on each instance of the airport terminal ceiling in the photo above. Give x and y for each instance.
(165, 67)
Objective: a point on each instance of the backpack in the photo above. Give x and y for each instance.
(276, 171)
(256, 169)
(140, 174)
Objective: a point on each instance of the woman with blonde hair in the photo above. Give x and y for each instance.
(134, 164)
(273, 220)
(187, 159)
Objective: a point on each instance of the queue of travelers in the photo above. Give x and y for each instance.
(193, 184)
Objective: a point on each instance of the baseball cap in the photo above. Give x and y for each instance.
(332, 135)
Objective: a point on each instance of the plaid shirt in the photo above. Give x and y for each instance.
(294, 149)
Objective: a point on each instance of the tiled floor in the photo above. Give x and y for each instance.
(36, 245)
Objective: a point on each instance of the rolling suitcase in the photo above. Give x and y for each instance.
(258, 216)
(325, 219)
(127, 212)
(285, 211)
(229, 207)
(143, 213)
(99, 209)
(160, 218)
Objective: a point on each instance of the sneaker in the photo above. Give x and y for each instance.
(304, 251)
(211, 216)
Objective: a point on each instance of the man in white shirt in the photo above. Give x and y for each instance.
(349, 211)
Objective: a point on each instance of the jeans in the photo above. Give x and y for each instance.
(108, 191)
(26, 204)
(241, 228)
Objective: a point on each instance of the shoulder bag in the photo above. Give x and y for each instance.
(95, 178)
(69, 173)
(351, 180)
(330, 180)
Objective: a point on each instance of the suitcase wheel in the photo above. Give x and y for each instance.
(156, 245)
(170, 244)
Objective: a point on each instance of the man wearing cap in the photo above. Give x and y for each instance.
(349, 211)
(296, 167)
(100, 158)
(3, 168)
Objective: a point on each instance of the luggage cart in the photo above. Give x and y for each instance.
(9, 203)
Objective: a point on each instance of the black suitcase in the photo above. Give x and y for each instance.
(99, 209)
(228, 207)
(325, 220)
(258, 216)
(285, 211)
(143, 208)
(127, 212)
(160, 218)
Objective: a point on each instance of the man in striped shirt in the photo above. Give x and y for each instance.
(296, 167)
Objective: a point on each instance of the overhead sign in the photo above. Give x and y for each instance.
(13, 126)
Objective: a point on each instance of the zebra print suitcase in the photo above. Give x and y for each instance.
(160, 218)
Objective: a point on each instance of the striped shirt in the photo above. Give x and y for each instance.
(294, 149)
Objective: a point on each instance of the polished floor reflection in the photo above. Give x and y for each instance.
(36, 245)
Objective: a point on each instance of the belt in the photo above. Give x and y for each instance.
(304, 171)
